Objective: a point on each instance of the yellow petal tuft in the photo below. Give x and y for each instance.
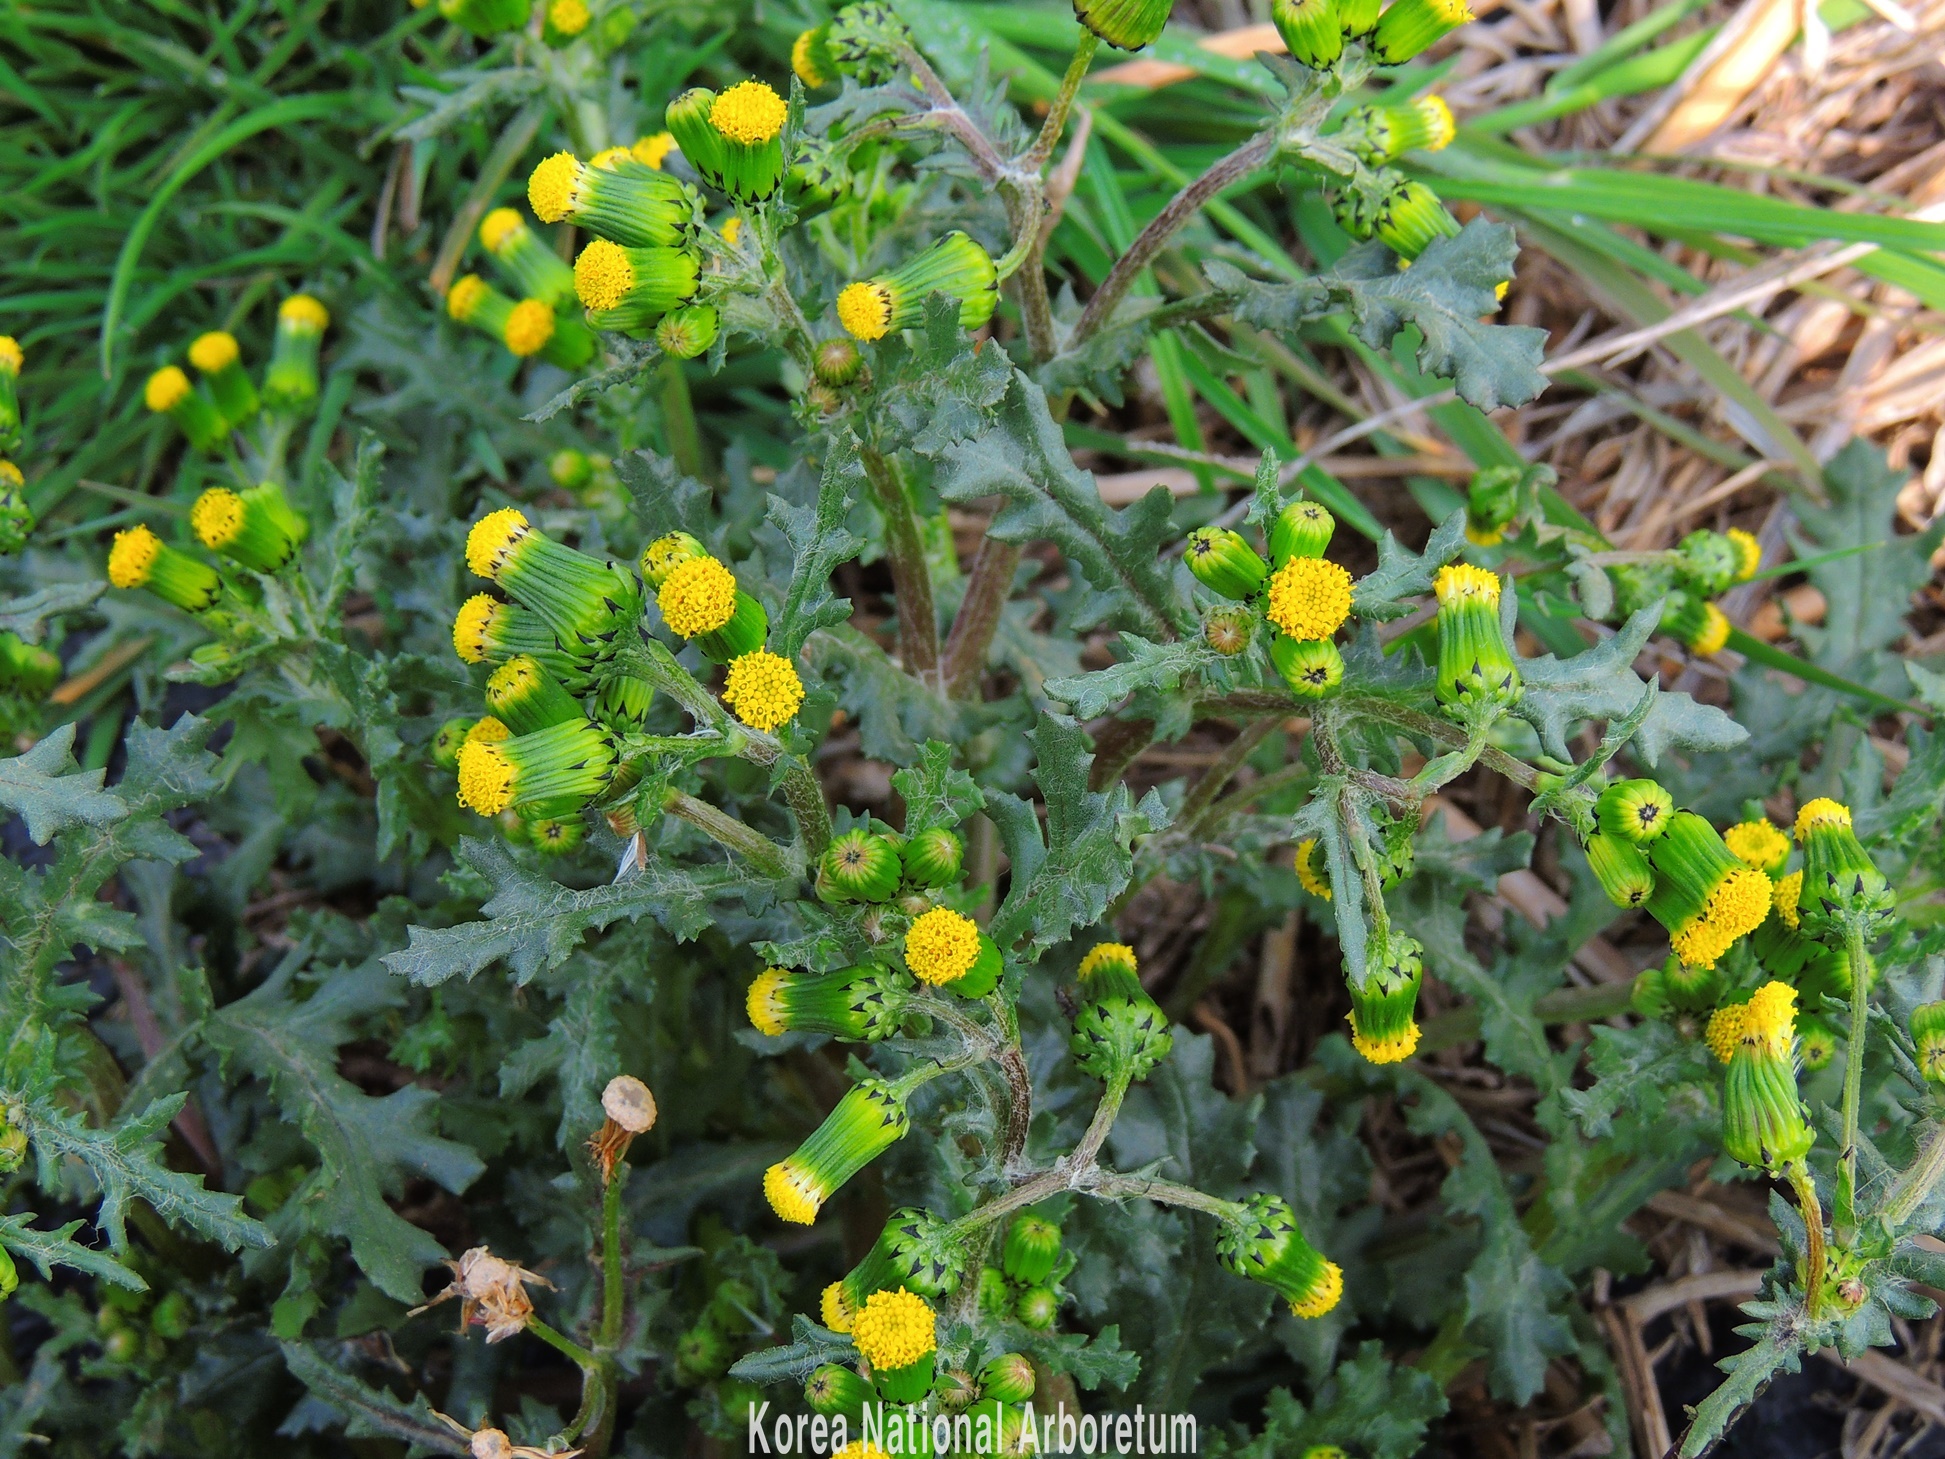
(167, 388)
(529, 327)
(132, 555)
(762, 689)
(492, 535)
(1310, 597)
(217, 517)
(749, 113)
(941, 946)
(214, 351)
(864, 309)
(603, 275)
(550, 188)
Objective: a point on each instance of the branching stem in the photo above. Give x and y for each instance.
(1798, 1174)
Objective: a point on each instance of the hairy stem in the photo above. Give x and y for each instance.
(1056, 122)
(1121, 1187)
(599, 1383)
(748, 842)
(978, 618)
(918, 621)
(1860, 997)
(1089, 1148)
(1917, 1182)
(806, 797)
(1798, 1174)
(1182, 207)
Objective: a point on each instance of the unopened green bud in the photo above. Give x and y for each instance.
(9, 1277)
(1228, 628)
(13, 1138)
(1031, 1249)
(1127, 25)
(1410, 26)
(933, 858)
(837, 1391)
(16, 516)
(702, 1353)
(555, 835)
(446, 743)
(861, 867)
(1492, 501)
(1691, 986)
(954, 1391)
(1037, 1308)
(837, 362)
(1008, 1378)
(1378, 134)
(1312, 670)
(1410, 216)
(1816, 1042)
(1383, 1026)
(1223, 562)
(1476, 672)
(1621, 869)
(622, 702)
(665, 554)
(1928, 1037)
(1841, 884)
(1311, 29)
(570, 469)
(1302, 529)
(1634, 810)
(687, 332)
(28, 666)
(995, 1295)
(523, 696)
(1260, 1240)
(1120, 1037)
(1650, 995)
(1709, 561)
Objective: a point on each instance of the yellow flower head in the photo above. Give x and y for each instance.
(762, 1004)
(1757, 843)
(698, 597)
(1325, 1295)
(1310, 597)
(1737, 905)
(168, 387)
(487, 730)
(497, 226)
(1822, 811)
(1438, 117)
(1749, 553)
(603, 275)
(1769, 1021)
(551, 186)
(749, 112)
(1313, 875)
(1107, 954)
(216, 517)
(731, 230)
(132, 555)
(1392, 1050)
(466, 295)
(491, 538)
(1715, 632)
(793, 1192)
(301, 311)
(941, 946)
(654, 151)
(486, 777)
(864, 309)
(1461, 581)
(12, 357)
(762, 689)
(470, 625)
(1725, 1030)
(895, 1329)
(1788, 890)
(569, 17)
(529, 327)
(802, 61)
(837, 1309)
(213, 351)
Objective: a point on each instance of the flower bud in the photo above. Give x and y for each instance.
(1691, 987)
(1310, 597)
(1110, 969)
(618, 198)
(168, 392)
(702, 146)
(523, 696)
(1127, 25)
(1621, 869)
(1841, 884)
(860, 867)
(1763, 1120)
(665, 554)
(1816, 1042)
(1223, 562)
(629, 289)
(1928, 1037)
(446, 743)
(586, 602)
(1302, 529)
(1476, 672)
(622, 702)
(811, 58)
(218, 360)
(1759, 844)
(1260, 1240)
(13, 1137)
(1312, 670)
(763, 691)
(1749, 553)
(933, 858)
(1492, 502)
(487, 631)
(1310, 29)
(1228, 628)
(1704, 896)
(12, 359)
(954, 266)
(1410, 216)
(1377, 134)
(564, 22)
(942, 946)
(1313, 868)
(1634, 810)
(867, 1122)
(1383, 1028)
(1358, 17)
(1119, 1037)
(897, 1333)
(995, 1294)
(864, 1003)
(1008, 1378)
(838, 1392)
(140, 559)
(535, 270)
(256, 528)
(486, 18)
(837, 362)
(16, 515)
(555, 835)
(687, 332)
(552, 772)
(32, 669)
(1698, 626)
(1708, 560)
(1031, 1249)
(1649, 996)
(865, 40)
(749, 119)
(1410, 26)
(290, 380)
